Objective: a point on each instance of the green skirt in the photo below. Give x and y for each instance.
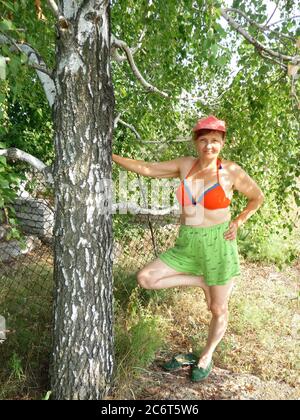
(203, 251)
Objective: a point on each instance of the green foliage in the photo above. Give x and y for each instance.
(26, 301)
(185, 48)
(281, 248)
(16, 366)
(47, 396)
(139, 334)
(8, 182)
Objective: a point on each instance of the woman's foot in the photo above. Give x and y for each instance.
(204, 361)
(202, 370)
(199, 374)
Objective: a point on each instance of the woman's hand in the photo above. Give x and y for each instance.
(231, 233)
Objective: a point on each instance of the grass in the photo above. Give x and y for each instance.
(26, 303)
(281, 248)
(262, 336)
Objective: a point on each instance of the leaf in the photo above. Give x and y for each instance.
(214, 49)
(297, 199)
(47, 396)
(8, 5)
(222, 60)
(6, 25)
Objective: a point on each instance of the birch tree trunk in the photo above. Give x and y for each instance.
(83, 356)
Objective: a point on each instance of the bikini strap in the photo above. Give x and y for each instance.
(218, 166)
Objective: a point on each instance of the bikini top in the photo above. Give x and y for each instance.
(213, 198)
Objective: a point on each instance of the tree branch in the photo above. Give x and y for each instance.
(136, 209)
(120, 58)
(284, 20)
(35, 61)
(17, 154)
(62, 21)
(53, 6)
(266, 24)
(263, 28)
(258, 45)
(117, 43)
(139, 137)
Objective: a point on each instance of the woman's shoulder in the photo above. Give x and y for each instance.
(232, 169)
(230, 165)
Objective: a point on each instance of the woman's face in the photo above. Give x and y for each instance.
(209, 145)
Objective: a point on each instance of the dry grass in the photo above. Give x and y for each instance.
(264, 327)
(262, 337)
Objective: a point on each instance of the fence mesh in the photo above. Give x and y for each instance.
(26, 270)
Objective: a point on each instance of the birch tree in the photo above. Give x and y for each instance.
(80, 94)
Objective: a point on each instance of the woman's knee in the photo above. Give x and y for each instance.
(218, 310)
(144, 280)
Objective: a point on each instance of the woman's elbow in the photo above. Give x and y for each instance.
(260, 198)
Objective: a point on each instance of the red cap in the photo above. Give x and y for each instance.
(210, 122)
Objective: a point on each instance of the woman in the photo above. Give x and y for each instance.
(205, 252)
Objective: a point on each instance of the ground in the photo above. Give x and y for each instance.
(155, 384)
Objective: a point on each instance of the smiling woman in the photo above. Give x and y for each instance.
(205, 253)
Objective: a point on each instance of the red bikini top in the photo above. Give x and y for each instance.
(213, 198)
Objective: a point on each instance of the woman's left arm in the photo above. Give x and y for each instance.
(243, 183)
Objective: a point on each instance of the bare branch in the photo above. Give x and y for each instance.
(138, 136)
(263, 28)
(258, 45)
(266, 24)
(284, 20)
(139, 44)
(281, 64)
(63, 23)
(116, 120)
(136, 209)
(132, 128)
(17, 154)
(53, 6)
(120, 58)
(41, 69)
(121, 44)
(35, 61)
(116, 56)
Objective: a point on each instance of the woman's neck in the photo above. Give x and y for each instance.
(206, 163)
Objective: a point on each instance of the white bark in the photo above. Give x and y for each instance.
(38, 63)
(17, 154)
(83, 121)
(117, 43)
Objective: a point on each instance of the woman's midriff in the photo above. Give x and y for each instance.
(199, 216)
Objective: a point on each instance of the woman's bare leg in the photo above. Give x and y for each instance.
(219, 297)
(158, 275)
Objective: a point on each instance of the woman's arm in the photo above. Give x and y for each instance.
(243, 183)
(167, 169)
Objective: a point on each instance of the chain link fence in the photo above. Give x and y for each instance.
(26, 271)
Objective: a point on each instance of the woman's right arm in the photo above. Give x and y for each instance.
(167, 169)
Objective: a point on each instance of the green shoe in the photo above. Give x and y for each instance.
(199, 374)
(180, 360)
